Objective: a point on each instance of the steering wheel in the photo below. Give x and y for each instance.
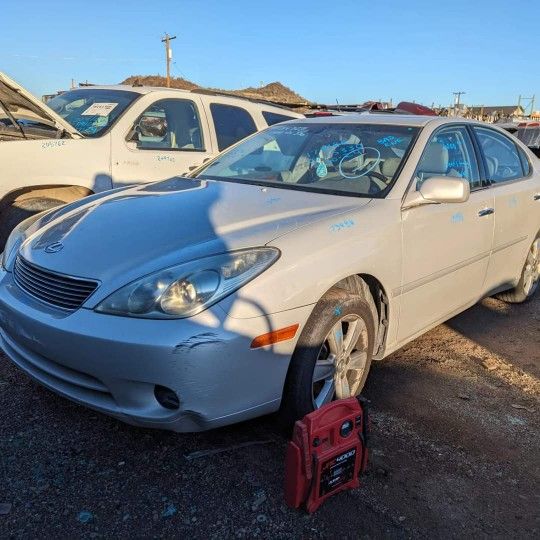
(377, 175)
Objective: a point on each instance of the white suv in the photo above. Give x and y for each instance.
(96, 138)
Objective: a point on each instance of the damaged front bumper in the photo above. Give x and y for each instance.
(114, 364)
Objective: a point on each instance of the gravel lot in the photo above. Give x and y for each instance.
(455, 453)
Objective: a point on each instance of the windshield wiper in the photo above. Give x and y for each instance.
(12, 118)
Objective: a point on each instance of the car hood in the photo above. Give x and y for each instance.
(125, 235)
(22, 103)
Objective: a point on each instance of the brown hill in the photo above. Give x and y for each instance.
(274, 91)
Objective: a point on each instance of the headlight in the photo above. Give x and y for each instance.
(17, 237)
(187, 289)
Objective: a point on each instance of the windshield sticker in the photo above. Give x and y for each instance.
(457, 164)
(85, 125)
(291, 130)
(346, 224)
(449, 145)
(99, 109)
(390, 141)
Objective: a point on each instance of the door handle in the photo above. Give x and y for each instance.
(486, 212)
(537, 197)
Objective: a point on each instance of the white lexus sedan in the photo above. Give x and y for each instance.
(272, 277)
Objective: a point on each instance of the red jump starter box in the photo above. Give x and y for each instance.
(327, 453)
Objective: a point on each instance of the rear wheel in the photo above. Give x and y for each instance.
(530, 278)
(20, 210)
(333, 355)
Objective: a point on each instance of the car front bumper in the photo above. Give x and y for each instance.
(113, 364)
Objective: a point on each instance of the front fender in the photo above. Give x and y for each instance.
(316, 257)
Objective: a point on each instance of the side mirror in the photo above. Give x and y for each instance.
(152, 126)
(439, 189)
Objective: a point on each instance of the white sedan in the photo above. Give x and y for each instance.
(272, 277)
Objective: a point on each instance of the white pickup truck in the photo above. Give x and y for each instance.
(96, 138)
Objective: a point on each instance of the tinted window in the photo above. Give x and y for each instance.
(501, 156)
(92, 111)
(449, 152)
(232, 124)
(359, 159)
(170, 124)
(274, 118)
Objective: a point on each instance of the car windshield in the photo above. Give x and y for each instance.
(350, 159)
(92, 111)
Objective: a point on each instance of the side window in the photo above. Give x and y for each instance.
(232, 124)
(501, 155)
(170, 124)
(275, 118)
(449, 152)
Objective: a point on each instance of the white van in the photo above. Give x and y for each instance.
(96, 138)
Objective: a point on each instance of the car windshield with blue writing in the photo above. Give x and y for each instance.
(350, 159)
(92, 111)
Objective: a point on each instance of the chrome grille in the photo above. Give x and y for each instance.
(59, 290)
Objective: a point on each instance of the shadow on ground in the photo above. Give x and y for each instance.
(455, 454)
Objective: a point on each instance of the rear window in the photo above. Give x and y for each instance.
(275, 118)
(232, 124)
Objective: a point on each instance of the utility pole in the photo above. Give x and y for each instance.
(531, 101)
(168, 56)
(457, 100)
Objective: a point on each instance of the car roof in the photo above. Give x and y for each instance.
(201, 91)
(393, 119)
(377, 118)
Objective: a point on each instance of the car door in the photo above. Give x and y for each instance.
(515, 188)
(446, 247)
(231, 123)
(169, 138)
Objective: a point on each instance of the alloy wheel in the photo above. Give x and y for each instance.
(342, 361)
(531, 272)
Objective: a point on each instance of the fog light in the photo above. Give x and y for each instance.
(166, 397)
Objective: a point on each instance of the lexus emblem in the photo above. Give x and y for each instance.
(54, 248)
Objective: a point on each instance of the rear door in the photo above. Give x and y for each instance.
(517, 210)
(230, 122)
(169, 138)
(446, 247)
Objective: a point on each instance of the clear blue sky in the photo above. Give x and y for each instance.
(351, 50)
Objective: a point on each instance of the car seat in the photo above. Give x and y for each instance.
(434, 162)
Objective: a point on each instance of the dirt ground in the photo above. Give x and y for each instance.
(455, 453)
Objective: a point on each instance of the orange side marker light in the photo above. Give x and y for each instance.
(283, 334)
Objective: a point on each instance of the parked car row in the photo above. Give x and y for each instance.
(93, 139)
(270, 277)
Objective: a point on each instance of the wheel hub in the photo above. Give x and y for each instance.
(342, 362)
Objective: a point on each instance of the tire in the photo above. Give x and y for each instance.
(17, 212)
(529, 281)
(300, 395)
